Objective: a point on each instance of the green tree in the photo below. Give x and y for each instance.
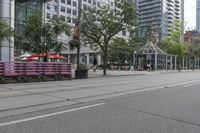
(99, 25)
(42, 37)
(120, 50)
(5, 31)
(174, 44)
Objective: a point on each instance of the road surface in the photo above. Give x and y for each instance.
(157, 103)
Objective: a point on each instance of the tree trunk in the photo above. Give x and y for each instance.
(105, 60)
(78, 55)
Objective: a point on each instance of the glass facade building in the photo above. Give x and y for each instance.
(24, 9)
(15, 13)
(198, 14)
(160, 14)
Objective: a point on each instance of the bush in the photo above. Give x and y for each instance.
(81, 67)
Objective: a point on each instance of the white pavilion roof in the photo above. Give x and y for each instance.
(151, 48)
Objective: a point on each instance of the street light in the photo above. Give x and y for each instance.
(78, 23)
(135, 52)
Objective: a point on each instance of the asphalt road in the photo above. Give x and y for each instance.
(166, 103)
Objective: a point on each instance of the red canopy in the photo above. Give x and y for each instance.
(55, 56)
(51, 56)
(31, 58)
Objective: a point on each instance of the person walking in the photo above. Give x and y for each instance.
(94, 65)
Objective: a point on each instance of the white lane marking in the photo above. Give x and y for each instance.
(48, 115)
(182, 83)
(191, 84)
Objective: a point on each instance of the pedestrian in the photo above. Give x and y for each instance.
(94, 65)
(131, 67)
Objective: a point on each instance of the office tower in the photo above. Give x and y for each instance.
(161, 14)
(198, 15)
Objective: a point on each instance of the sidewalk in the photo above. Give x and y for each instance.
(99, 73)
(31, 97)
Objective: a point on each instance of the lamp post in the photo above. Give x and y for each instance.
(135, 52)
(78, 23)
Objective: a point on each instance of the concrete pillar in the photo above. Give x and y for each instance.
(171, 65)
(99, 59)
(87, 59)
(175, 62)
(68, 58)
(166, 62)
(156, 62)
(7, 13)
(195, 61)
(183, 63)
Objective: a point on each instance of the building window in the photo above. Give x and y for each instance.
(69, 2)
(63, 1)
(94, 2)
(69, 20)
(74, 3)
(124, 33)
(69, 10)
(74, 12)
(55, 16)
(49, 6)
(48, 16)
(62, 9)
(73, 20)
(90, 1)
(55, 8)
(56, 1)
(84, 7)
(98, 4)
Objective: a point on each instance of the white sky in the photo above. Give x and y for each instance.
(190, 14)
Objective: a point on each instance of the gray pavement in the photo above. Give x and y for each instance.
(147, 103)
(169, 110)
(99, 73)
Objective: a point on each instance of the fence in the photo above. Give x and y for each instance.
(28, 69)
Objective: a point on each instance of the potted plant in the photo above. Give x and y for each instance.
(81, 72)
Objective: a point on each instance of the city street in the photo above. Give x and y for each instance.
(146, 103)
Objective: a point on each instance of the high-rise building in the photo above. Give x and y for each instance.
(15, 13)
(161, 14)
(198, 14)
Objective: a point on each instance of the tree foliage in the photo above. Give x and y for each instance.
(42, 37)
(99, 25)
(5, 31)
(120, 50)
(173, 43)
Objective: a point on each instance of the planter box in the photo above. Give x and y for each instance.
(81, 74)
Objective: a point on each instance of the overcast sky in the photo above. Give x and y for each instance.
(190, 14)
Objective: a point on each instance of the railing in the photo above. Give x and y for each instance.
(11, 69)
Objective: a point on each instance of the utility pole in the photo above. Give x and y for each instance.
(179, 52)
(79, 22)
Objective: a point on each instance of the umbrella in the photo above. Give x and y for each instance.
(24, 55)
(55, 56)
(38, 55)
(31, 58)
